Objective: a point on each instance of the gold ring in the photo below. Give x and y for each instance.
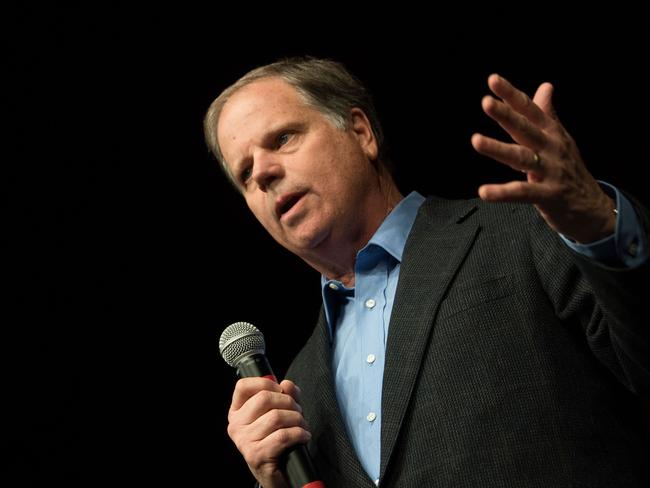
(537, 161)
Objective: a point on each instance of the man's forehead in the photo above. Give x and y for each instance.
(255, 110)
(261, 104)
(267, 93)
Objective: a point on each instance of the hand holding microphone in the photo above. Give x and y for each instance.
(265, 418)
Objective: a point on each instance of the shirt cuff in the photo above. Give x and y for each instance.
(626, 247)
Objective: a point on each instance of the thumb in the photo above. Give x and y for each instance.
(290, 388)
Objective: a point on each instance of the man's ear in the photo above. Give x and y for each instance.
(362, 129)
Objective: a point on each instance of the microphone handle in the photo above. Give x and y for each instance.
(255, 365)
(299, 468)
(298, 465)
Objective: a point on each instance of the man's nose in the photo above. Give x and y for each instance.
(266, 170)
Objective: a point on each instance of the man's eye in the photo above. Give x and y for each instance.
(283, 138)
(245, 174)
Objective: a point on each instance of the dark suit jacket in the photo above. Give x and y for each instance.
(510, 361)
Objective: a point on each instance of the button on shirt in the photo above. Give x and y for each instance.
(358, 317)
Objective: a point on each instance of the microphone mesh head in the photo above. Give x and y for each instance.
(239, 340)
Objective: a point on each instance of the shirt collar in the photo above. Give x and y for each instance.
(390, 236)
(394, 230)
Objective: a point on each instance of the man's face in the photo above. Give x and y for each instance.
(305, 180)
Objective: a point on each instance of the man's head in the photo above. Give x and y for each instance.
(323, 84)
(307, 165)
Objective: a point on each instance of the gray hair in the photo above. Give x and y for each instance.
(323, 84)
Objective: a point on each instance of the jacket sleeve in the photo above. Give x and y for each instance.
(610, 303)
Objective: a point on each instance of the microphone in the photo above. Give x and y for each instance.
(242, 346)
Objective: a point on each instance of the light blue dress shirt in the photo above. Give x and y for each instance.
(358, 320)
(358, 317)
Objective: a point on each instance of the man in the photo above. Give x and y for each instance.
(461, 343)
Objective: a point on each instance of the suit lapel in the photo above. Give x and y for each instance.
(438, 242)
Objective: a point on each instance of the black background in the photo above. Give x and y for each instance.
(127, 253)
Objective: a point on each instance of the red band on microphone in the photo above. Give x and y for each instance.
(273, 378)
(314, 484)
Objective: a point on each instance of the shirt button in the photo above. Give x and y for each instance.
(370, 303)
(334, 286)
(371, 358)
(371, 417)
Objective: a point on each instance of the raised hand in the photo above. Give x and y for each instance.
(557, 181)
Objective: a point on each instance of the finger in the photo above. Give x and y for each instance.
(248, 387)
(261, 403)
(517, 99)
(516, 156)
(290, 388)
(544, 99)
(275, 420)
(274, 445)
(289, 437)
(515, 191)
(519, 127)
(269, 449)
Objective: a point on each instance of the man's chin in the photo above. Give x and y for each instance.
(307, 241)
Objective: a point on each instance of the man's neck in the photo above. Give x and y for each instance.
(336, 260)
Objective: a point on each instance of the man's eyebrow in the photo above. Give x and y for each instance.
(267, 138)
(273, 132)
